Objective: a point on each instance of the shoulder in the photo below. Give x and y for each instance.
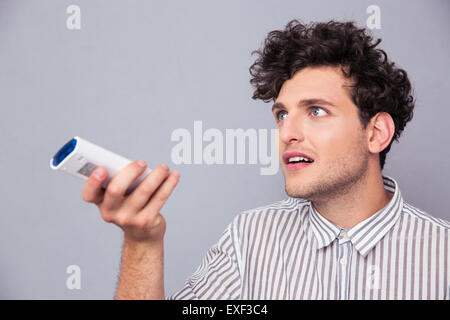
(425, 219)
(423, 225)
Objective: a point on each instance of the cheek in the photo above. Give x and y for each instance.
(332, 139)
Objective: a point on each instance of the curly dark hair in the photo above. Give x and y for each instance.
(378, 84)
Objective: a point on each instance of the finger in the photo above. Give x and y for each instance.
(141, 195)
(115, 191)
(92, 190)
(160, 197)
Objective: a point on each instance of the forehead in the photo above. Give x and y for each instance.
(324, 82)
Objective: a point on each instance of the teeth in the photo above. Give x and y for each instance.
(293, 159)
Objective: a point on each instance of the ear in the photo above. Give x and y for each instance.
(380, 132)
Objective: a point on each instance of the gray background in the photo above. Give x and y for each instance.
(136, 71)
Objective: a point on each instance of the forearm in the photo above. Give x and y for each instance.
(142, 271)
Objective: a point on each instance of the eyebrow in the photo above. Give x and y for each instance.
(304, 103)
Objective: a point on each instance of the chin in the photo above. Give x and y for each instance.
(297, 191)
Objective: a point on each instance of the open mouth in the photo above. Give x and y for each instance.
(299, 160)
(296, 160)
(295, 165)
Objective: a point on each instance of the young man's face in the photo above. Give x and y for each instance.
(331, 135)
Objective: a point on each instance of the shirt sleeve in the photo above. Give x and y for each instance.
(218, 275)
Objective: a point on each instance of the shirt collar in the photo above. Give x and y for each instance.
(366, 234)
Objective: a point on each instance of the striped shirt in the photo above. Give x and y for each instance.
(287, 250)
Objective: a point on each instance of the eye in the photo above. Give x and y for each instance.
(278, 114)
(318, 108)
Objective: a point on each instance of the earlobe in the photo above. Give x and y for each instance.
(382, 129)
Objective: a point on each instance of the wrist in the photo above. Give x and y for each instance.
(142, 243)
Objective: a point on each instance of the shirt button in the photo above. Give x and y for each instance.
(343, 261)
(344, 235)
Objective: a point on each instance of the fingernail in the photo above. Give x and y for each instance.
(99, 174)
(142, 163)
(165, 166)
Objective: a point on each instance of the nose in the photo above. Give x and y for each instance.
(291, 130)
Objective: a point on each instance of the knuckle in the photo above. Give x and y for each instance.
(147, 188)
(162, 177)
(142, 223)
(154, 180)
(123, 221)
(106, 216)
(86, 193)
(163, 195)
(159, 219)
(114, 190)
(85, 197)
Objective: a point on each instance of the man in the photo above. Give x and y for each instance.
(344, 232)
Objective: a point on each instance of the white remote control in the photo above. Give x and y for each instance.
(80, 157)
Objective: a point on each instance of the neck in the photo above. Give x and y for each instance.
(361, 201)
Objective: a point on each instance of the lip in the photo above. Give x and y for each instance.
(296, 166)
(290, 154)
